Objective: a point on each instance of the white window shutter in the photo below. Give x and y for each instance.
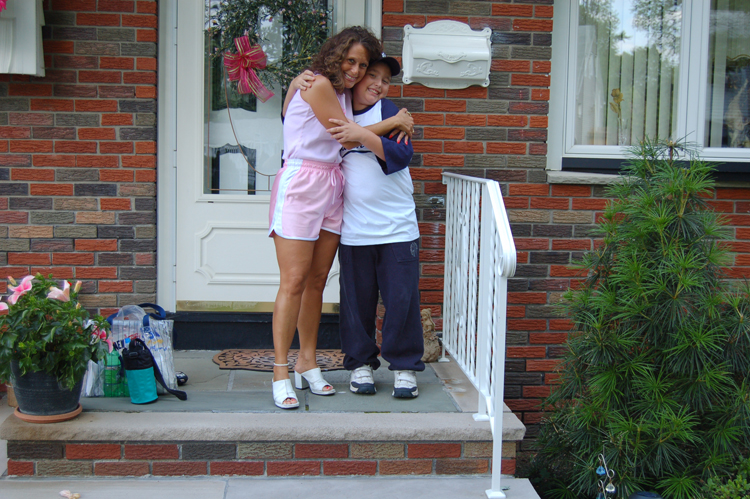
(21, 50)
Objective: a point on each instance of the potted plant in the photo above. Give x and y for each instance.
(46, 342)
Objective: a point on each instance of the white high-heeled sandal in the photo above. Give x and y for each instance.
(314, 380)
(282, 390)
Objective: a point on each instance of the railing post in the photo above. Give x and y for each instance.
(483, 319)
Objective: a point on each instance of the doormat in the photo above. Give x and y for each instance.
(262, 360)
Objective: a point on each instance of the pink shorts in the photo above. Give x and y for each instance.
(307, 196)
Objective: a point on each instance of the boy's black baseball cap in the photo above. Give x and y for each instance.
(392, 64)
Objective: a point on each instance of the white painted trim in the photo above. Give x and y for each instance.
(558, 79)
(167, 145)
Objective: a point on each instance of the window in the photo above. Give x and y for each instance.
(628, 69)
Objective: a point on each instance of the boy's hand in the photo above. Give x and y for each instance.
(404, 126)
(303, 81)
(346, 131)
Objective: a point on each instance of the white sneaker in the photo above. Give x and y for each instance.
(405, 385)
(361, 382)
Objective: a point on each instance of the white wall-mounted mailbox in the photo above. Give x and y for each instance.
(447, 54)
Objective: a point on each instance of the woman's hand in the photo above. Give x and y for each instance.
(346, 131)
(303, 81)
(404, 123)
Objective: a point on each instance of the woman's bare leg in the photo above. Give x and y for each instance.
(312, 299)
(295, 259)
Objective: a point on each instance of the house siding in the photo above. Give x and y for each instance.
(78, 154)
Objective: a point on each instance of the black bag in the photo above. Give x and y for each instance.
(143, 373)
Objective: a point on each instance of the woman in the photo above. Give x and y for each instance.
(306, 206)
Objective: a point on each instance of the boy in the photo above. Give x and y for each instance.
(379, 249)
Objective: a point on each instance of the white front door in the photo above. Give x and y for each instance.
(226, 153)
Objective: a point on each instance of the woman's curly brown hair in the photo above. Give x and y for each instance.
(334, 50)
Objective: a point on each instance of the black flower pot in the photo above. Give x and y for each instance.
(39, 394)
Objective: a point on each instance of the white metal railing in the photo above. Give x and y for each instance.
(480, 256)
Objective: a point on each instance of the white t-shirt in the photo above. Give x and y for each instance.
(378, 195)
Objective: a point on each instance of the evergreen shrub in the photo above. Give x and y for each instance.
(656, 372)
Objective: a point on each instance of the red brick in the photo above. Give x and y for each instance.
(337, 468)
(431, 283)
(538, 121)
(113, 204)
(92, 451)
(145, 92)
(15, 132)
(57, 272)
(428, 269)
(539, 94)
(564, 271)
(427, 119)
(97, 19)
(727, 193)
(116, 176)
(75, 146)
(58, 47)
(538, 149)
(30, 90)
(532, 80)
(526, 352)
(532, 25)
(145, 147)
(433, 450)
(97, 161)
(96, 244)
(435, 188)
(77, 61)
(28, 258)
(117, 119)
(426, 174)
(139, 162)
(3, 146)
(463, 147)
(33, 174)
(146, 35)
(401, 20)
(506, 148)
(95, 106)
(302, 451)
(550, 203)
(100, 77)
(292, 468)
(453, 106)
(116, 148)
(536, 391)
(571, 244)
(527, 325)
(532, 418)
(139, 77)
(121, 469)
(541, 67)
(51, 105)
(140, 21)
(406, 467)
(512, 10)
(51, 189)
(179, 468)
(145, 176)
(115, 286)
(53, 160)
(527, 298)
(560, 325)
(510, 66)
(495, 23)
(516, 312)
(242, 468)
(428, 146)
(116, 6)
(523, 404)
(571, 190)
(508, 466)
(442, 160)
(73, 259)
(145, 259)
(431, 227)
(541, 365)
(150, 452)
(422, 91)
(528, 243)
(447, 17)
(146, 64)
(393, 5)
(20, 468)
(466, 119)
(474, 92)
(116, 63)
(100, 133)
(30, 146)
(544, 11)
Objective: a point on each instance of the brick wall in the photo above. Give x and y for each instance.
(500, 133)
(78, 153)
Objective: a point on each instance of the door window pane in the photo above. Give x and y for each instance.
(728, 113)
(242, 136)
(627, 70)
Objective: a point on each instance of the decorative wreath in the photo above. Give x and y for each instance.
(304, 27)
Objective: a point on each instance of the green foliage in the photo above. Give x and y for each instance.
(656, 374)
(303, 29)
(49, 334)
(736, 487)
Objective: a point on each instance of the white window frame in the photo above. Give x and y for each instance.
(693, 84)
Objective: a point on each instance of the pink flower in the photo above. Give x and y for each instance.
(3, 306)
(57, 294)
(2, 5)
(21, 289)
(101, 334)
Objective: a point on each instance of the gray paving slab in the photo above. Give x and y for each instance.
(115, 489)
(257, 488)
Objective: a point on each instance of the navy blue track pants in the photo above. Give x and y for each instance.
(393, 270)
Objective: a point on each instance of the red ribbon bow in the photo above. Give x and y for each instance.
(241, 66)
